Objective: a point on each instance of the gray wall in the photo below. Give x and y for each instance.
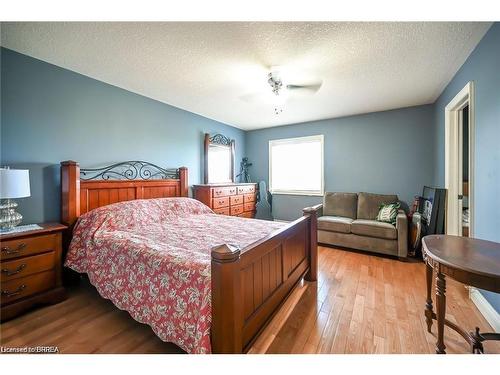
(383, 152)
(482, 67)
(50, 114)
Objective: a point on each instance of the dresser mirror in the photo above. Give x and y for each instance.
(219, 159)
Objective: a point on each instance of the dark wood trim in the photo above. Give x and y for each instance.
(441, 310)
(228, 199)
(275, 264)
(232, 161)
(206, 142)
(226, 309)
(47, 228)
(249, 285)
(70, 192)
(35, 257)
(76, 198)
(467, 260)
(428, 303)
(312, 212)
(184, 185)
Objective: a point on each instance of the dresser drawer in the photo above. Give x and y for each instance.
(248, 214)
(246, 189)
(28, 246)
(26, 286)
(236, 210)
(25, 266)
(222, 211)
(249, 206)
(236, 199)
(249, 198)
(220, 202)
(224, 191)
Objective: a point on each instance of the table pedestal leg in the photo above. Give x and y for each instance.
(428, 305)
(441, 311)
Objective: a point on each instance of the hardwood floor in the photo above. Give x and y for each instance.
(360, 304)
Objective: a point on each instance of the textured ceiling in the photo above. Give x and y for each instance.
(206, 68)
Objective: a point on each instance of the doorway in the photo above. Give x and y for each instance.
(459, 163)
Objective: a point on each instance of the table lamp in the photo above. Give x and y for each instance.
(14, 183)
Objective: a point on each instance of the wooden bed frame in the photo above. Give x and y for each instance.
(248, 285)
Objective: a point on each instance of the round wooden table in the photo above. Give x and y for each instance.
(470, 261)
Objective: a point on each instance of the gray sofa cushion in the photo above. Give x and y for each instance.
(353, 241)
(373, 228)
(340, 204)
(335, 224)
(369, 204)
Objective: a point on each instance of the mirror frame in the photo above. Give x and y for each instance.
(218, 139)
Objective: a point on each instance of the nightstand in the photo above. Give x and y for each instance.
(31, 265)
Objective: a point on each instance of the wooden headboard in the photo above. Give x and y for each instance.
(85, 189)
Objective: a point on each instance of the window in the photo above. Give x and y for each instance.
(296, 166)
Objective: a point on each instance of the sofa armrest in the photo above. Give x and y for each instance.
(402, 228)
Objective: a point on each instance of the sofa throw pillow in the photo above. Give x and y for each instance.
(388, 213)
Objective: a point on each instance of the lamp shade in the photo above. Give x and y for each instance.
(14, 183)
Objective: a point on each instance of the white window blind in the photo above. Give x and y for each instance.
(296, 165)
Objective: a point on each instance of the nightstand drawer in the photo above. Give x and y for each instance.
(26, 286)
(21, 267)
(27, 246)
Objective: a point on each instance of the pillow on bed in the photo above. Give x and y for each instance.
(142, 212)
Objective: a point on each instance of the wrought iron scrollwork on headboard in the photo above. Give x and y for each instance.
(220, 139)
(129, 170)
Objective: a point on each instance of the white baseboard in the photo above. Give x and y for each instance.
(485, 308)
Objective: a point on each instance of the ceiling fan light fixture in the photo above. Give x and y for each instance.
(275, 82)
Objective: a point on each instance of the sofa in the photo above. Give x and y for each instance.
(349, 220)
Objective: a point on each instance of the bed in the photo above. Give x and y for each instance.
(206, 282)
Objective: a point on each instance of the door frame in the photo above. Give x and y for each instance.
(453, 167)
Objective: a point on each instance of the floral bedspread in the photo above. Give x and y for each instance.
(152, 259)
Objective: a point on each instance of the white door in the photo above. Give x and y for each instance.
(454, 162)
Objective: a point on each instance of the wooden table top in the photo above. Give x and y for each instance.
(473, 255)
(46, 229)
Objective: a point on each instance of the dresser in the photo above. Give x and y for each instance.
(31, 265)
(229, 199)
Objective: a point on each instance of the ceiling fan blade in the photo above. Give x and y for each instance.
(313, 87)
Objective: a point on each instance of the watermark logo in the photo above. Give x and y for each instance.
(29, 349)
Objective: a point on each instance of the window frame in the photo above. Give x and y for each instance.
(297, 140)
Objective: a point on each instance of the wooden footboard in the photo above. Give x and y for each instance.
(250, 284)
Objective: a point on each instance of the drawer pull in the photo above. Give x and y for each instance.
(17, 270)
(8, 251)
(8, 294)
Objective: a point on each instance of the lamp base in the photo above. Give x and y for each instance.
(9, 218)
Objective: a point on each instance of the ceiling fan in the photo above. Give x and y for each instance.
(281, 90)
